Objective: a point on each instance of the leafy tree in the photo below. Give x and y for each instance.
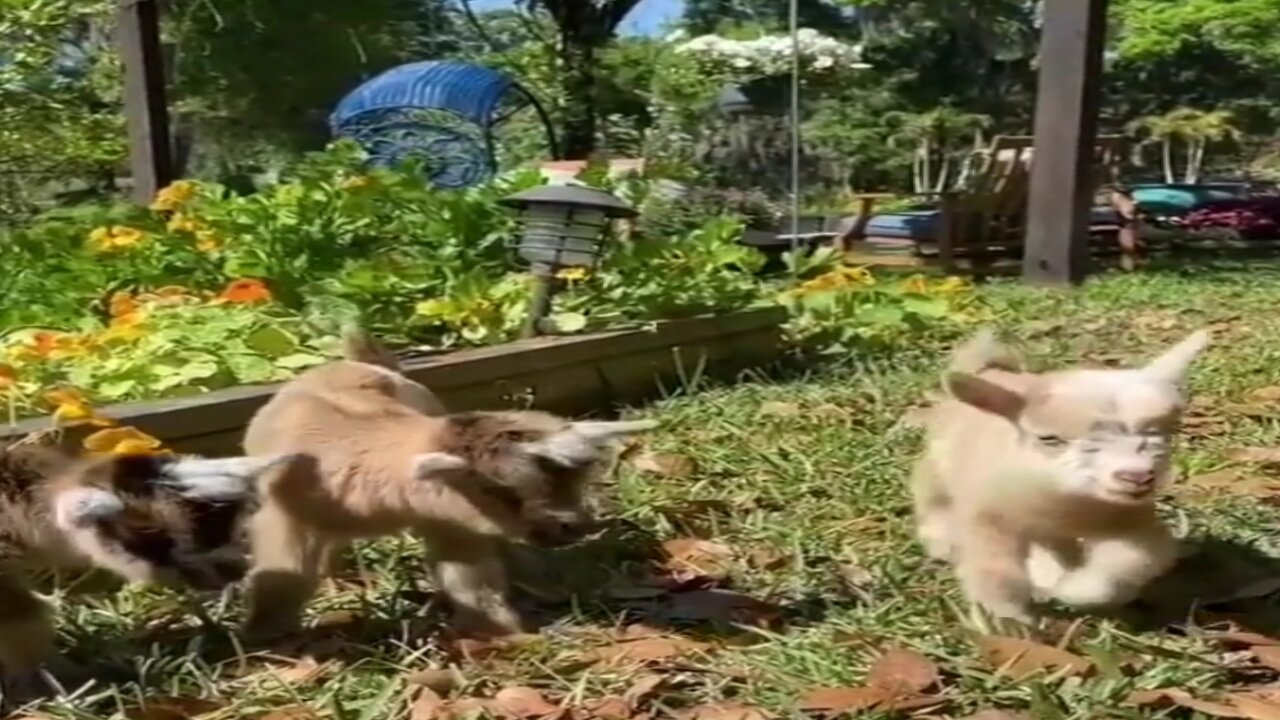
(584, 28)
(1195, 128)
(935, 137)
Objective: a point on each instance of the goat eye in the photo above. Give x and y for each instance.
(1051, 440)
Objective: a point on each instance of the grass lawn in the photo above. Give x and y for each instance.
(794, 566)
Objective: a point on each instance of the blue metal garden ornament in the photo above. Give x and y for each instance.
(442, 113)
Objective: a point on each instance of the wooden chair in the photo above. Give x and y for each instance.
(983, 222)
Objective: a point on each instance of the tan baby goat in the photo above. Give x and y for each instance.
(1044, 484)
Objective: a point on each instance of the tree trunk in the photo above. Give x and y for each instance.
(585, 26)
(1192, 173)
(926, 171)
(1166, 157)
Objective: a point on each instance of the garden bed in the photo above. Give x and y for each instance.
(566, 374)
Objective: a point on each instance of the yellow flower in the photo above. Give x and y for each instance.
(856, 275)
(572, 274)
(183, 223)
(916, 284)
(434, 308)
(125, 440)
(174, 196)
(355, 182)
(117, 237)
(953, 285)
(207, 241)
(72, 407)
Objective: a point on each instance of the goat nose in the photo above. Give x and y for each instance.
(1135, 477)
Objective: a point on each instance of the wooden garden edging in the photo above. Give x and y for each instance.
(572, 375)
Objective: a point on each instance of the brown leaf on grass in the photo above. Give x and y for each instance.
(523, 702)
(1017, 657)
(1256, 706)
(291, 712)
(167, 707)
(1269, 394)
(843, 700)
(725, 711)
(1169, 697)
(691, 557)
(1251, 410)
(642, 688)
(766, 559)
(428, 705)
(440, 680)
(1237, 636)
(903, 671)
(644, 650)
(668, 464)
(993, 714)
(1255, 455)
(474, 649)
(611, 707)
(297, 671)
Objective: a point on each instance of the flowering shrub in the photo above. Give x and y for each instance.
(773, 54)
(162, 344)
(846, 307)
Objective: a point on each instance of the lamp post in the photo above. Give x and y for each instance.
(562, 226)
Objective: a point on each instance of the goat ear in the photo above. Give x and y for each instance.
(217, 479)
(80, 508)
(1172, 366)
(985, 395)
(428, 465)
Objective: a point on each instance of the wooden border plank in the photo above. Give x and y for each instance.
(572, 375)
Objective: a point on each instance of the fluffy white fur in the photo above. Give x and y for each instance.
(1044, 484)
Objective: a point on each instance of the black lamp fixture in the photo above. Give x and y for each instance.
(562, 226)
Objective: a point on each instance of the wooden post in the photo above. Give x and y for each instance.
(1066, 126)
(146, 109)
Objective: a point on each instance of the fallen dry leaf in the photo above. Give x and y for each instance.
(642, 688)
(172, 708)
(523, 702)
(1249, 410)
(1264, 395)
(668, 464)
(689, 558)
(1233, 481)
(1017, 657)
(766, 559)
(428, 705)
(1255, 455)
(838, 701)
(609, 708)
(291, 712)
(1172, 696)
(440, 680)
(993, 714)
(1238, 636)
(903, 671)
(473, 649)
(296, 671)
(725, 711)
(644, 650)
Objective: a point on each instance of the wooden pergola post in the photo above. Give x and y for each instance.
(145, 105)
(1066, 127)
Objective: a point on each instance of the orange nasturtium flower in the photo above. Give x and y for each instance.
(124, 440)
(247, 290)
(71, 407)
(8, 377)
(122, 303)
